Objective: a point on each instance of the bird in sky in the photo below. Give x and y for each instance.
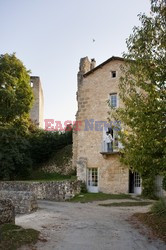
(93, 40)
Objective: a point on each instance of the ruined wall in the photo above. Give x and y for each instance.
(37, 111)
(7, 212)
(85, 66)
(93, 94)
(51, 190)
(24, 202)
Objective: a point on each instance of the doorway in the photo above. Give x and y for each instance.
(134, 183)
(92, 180)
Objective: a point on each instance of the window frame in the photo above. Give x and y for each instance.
(112, 95)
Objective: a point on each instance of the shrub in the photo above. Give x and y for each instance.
(15, 160)
(159, 207)
(83, 188)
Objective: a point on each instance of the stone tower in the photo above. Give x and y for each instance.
(85, 66)
(37, 111)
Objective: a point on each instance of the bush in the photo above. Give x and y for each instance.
(83, 188)
(159, 207)
(15, 159)
(148, 186)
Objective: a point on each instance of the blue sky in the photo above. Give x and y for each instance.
(50, 37)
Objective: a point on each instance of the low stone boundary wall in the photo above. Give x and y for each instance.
(7, 212)
(51, 190)
(24, 202)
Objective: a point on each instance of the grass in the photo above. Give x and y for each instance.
(159, 207)
(156, 223)
(89, 197)
(127, 204)
(12, 236)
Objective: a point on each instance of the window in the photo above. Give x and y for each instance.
(113, 100)
(113, 73)
(92, 177)
(110, 140)
(137, 180)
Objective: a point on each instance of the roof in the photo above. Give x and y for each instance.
(34, 77)
(113, 58)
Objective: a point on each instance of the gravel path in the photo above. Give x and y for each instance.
(76, 226)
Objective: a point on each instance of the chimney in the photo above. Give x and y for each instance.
(93, 63)
(85, 65)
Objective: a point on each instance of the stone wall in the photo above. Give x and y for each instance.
(24, 202)
(52, 190)
(7, 212)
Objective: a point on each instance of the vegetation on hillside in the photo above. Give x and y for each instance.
(60, 162)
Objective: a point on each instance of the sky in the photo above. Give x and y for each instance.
(50, 37)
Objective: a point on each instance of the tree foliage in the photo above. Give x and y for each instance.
(142, 90)
(15, 102)
(15, 91)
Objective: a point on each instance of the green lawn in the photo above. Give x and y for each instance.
(127, 204)
(89, 197)
(12, 237)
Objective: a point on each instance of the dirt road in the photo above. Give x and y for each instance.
(76, 226)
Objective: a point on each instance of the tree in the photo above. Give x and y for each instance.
(15, 102)
(16, 95)
(142, 90)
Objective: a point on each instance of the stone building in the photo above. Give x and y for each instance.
(96, 146)
(37, 111)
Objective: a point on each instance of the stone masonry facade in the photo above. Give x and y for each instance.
(37, 111)
(95, 84)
